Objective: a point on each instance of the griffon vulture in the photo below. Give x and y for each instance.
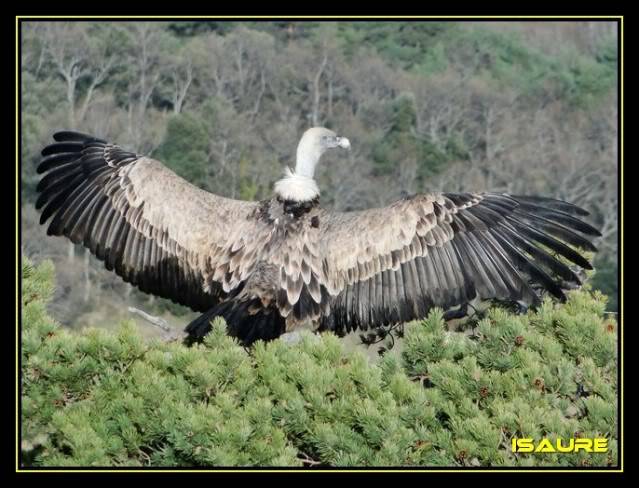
(268, 266)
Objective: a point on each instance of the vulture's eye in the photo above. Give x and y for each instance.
(328, 141)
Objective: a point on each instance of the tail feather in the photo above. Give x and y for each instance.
(248, 320)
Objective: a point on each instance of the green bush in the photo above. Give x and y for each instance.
(448, 399)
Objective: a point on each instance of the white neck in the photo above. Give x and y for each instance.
(308, 155)
(299, 185)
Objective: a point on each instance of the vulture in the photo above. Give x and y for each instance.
(269, 266)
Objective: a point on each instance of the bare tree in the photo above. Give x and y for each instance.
(181, 76)
(315, 89)
(144, 58)
(71, 53)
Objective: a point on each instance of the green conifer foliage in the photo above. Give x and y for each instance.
(448, 399)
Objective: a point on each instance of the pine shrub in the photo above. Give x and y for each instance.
(98, 398)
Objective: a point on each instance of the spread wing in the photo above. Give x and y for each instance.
(393, 264)
(156, 230)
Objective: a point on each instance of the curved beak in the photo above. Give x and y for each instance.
(343, 142)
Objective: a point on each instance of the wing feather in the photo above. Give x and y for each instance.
(444, 250)
(145, 222)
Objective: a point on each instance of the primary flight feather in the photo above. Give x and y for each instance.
(269, 266)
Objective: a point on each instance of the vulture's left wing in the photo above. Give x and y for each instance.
(155, 229)
(393, 264)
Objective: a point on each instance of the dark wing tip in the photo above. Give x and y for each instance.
(560, 212)
(61, 147)
(68, 146)
(552, 203)
(73, 136)
(580, 211)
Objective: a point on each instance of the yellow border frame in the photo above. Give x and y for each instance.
(620, 18)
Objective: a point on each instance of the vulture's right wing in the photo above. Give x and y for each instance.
(156, 230)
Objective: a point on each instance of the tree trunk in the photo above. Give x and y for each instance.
(330, 97)
(316, 90)
(71, 97)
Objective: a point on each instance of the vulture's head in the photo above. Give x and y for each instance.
(327, 138)
(314, 142)
(300, 185)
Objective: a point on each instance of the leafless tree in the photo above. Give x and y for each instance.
(71, 53)
(144, 57)
(180, 73)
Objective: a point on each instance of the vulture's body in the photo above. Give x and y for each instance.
(269, 266)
